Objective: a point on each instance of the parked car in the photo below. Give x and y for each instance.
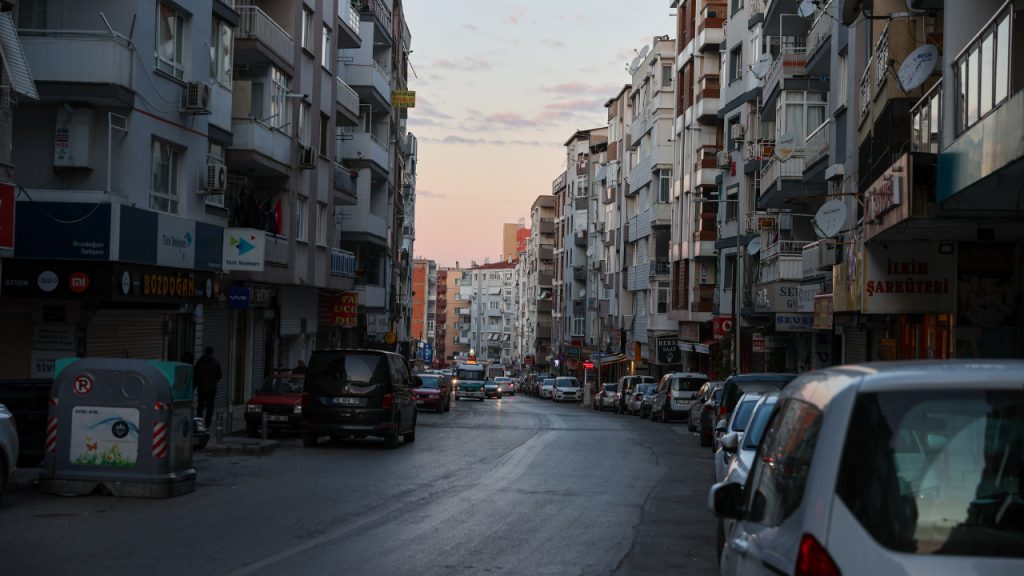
(506, 385)
(675, 392)
(709, 415)
(358, 393)
(607, 397)
(628, 384)
(739, 384)
(8, 447)
(492, 389)
(567, 389)
(734, 430)
(433, 391)
(744, 450)
(636, 398)
(547, 388)
(280, 398)
(703, 396)
(895, 467)
(28, 399)
(647, 400)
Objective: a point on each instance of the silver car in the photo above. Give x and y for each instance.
(607, 397)
(885, 468)
(8, 447)
(547, 388)
(737, 425)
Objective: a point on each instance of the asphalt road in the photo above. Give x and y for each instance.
(516, 486)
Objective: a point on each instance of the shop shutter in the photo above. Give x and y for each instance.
(298, 310)
(217, 333)
(126, 334)
(855, 345)
(16, 343)
(258, 349)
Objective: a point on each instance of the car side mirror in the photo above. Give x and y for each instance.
(731, 442)
(726, 500)
(720, 426)
(693, 396)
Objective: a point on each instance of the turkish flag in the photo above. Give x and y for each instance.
(6, 215)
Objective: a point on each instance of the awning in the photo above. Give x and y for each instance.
(608, 359)
(698, 347)
(14, 58)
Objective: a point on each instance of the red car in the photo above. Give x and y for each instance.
(280, 398)
(433, 392)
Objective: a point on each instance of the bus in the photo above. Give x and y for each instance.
(469, 380)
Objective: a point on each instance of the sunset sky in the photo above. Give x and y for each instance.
(500, 86)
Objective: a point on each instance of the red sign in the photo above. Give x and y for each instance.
(528, 360)
(721, 326)
(78, 282)
(82, 385)
(587, 364)
(6, 215)
(345, 309)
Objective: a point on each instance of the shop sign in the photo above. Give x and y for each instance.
(689, 331)
(668, 351)
(757, 343)
(345, 309)
(887, 349)
(43, 362)
(53, 337)
(847, 279)
(882, 197)
(805, 302)
(6, 215)
(721, 326)
(176, 241)
(777, 297)
(244, 249)
(62, 230)
(239, 297)
(572, 351)
(52, 279)
(823, 312)
(798, 322)
(377, 324)
(403, 98)
(908, 278)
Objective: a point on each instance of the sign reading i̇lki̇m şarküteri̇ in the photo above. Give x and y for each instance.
(244, 249)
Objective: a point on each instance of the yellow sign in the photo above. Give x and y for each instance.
(390, 338)
(403, 98)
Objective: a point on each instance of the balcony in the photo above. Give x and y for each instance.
(638, 277)
(704, 298)
(925, 125)
(371, 82)
(782, 260)
(819, 39)
(781, 183)
(343, 263)
(546, 253)
(660, 268)
(380, 14)
(641, 174)
(371, 296)
(705, 167)
(580, 238)
(710, 32)
(545, 279)
(818, 258)
(543, 331)
(707, 100)
(93, 66)
(276, 250)
(348, 29)
(579, 273)
(348, 103)
(259, 150)
(260, 39)
(368, 147)
(661, 214)
(345, 186)
(788, 72)
(816, 147)
(364, 228)
(547, 226)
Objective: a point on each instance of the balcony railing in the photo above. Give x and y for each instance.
(87, 56)
(792, 61)
(347, 97)
(776, 169)
(709, 87)
(380, 12)
(348, 15)
(821, 29)
(925, 125)
(816, 145)
(660, 267)
(783, 248)
(255, 24)
(864, 94)
(343, 262)
(712, 15)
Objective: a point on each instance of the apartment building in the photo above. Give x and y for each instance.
(488, 291)
(537, 303)
(456, 322)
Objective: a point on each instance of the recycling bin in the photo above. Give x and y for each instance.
(121, 424)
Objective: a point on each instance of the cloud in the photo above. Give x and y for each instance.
(472, 28)
(426, 109)
(517, 13)
(553, 43)
(584, 88)
(467, 64)
(510, 120)
(453, 139)
(566, 109)
(429, 194)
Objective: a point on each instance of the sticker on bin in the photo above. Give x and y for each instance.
(82, 385)
(104, 436)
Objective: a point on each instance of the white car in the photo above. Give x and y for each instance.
(567, 389)
(886, 468)
(738, 421)
(547, 389)
(8, 447)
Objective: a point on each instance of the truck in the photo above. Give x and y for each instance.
(469, 380)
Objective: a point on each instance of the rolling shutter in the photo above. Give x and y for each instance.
(855, 345)
(258, 349)
(126, 334)
(16, 344)
(217, 333)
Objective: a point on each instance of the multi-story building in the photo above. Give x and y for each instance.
(558, 283)
(424, 300)
(537, 302)
(457, 321)
(488, 290)
(441, 319)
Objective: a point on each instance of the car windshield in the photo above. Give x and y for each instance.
(469, 374)
(743, 411)
(332, 371)
(567, 383)
(938, 472)
(687, 384)
(611, 387)
(282, 384)
(757, 424)
(429, 382)
(549, 381)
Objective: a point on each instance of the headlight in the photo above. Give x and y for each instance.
(252, 407)
(298, 410)
(499, 388)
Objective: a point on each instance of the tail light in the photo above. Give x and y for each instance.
(305, 399)
(814, 560)
(389, 402)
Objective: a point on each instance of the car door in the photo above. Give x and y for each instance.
(766, 539)
(401, 392)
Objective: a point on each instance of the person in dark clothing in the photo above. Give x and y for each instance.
(206, 375)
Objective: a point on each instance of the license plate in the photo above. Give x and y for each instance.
(346, 401)
(273, 418)
(419, 401)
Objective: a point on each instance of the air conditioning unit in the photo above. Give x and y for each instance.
(216, 179)
(627, 322)
(722, 159)
(197, 98)
(737, 131)
(307, 157)
(826, 255)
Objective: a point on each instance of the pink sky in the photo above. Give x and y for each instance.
(500, 86)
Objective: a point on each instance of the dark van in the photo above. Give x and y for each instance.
(358, 393)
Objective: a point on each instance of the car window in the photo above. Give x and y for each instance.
(568, 382)
(549, 381)
(742, 415)
(331, 372)
(428, 381)
(611, 387)
(937, 472)
(783, 462)
(758, 422)
(686, 384)
(469, 374)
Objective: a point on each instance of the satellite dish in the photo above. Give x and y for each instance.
(644, 51)
(634, 64)
(764, 64)
(754, 246)
(830, 219)
(851, 9)
(806, 8)
(918, 67)
(785, 146)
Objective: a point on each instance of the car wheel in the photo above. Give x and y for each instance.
(309, 439)
(410, 436)
(391, 437)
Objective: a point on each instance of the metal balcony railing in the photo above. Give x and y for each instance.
(816, 144)
(347, 97)
(792, 61)
(380, 11)
(925, 123)
(821, 28)
(255, 24)
(343, 262)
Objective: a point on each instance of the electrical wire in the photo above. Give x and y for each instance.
(95, 207)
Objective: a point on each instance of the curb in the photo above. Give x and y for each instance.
(240, 446)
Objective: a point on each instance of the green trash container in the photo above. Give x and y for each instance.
(121, 424)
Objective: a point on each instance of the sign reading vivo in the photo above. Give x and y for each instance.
(239, 297)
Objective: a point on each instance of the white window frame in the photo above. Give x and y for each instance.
(800, 98)
(301, 219)
(170, 62)
(325, 48)
(736, 63)
(305, 129)
(163, 152)
(306, 33)
(578, 326)
(280, 105)
(321, 224)
(222, 46)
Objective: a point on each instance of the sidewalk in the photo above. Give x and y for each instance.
(239, 444)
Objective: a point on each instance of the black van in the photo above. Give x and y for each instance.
(358, 393)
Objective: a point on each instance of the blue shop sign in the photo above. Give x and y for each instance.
(149, 237)
(62, 230)
(239, 297)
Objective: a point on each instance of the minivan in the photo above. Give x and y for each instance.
(676, 392)
(358, 393)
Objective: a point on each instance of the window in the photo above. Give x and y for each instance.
(666, 76)
(982, 75)
(737, 5)
(663, 288)
(840, 86)
(280, 107)
(664, 186)
(214, 155)
(577, 326)
(170, 41)
(325, 48)
(736, 63)
(221, 43)
(321, 224)
(494, 305)
(781, 467)
(304, 125)
(324, 139)
(800, 113)
(164, 169)
(306, 34)
(731, 144)
(728, 277)
(301, 226)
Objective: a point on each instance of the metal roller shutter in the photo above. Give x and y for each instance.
(126, 334)
(258, 349)
(855, 345)
(15, 343)
(217, 333)
(298, 310)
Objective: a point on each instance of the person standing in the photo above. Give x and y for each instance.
(207, 374)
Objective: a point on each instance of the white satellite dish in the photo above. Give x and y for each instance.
(754, 246)
(763, 66)
(644, 51)
(830, 219)
(785, 146)
(806, 8)
(634, 64)
(918, 67)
